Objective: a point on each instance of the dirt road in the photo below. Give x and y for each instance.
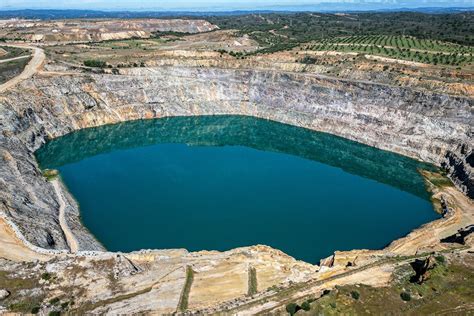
(14, 58)
(71, 240)
(33, 66)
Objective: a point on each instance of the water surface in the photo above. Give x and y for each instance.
(220, 182)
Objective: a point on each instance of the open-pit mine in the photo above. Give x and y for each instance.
(188, 166)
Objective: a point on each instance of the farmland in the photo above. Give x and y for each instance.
(400, 47)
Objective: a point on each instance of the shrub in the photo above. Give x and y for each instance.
(95, 63)
(308, 60)
(306, 306)
(46, 276)
(50, 175)
(54, 301)
(292, 308)
(405, 296)
(440, 259)
(35, 310)
(355, 295)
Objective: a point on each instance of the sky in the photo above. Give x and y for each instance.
(216, 4)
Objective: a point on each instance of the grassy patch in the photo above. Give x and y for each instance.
(23, 303)
(252, 281)
(28, 305)
(11, 69)
(440, 180)
(13, 52)
(449, 287)
(88, 306)
(9, 282)
(183, 300)
(95, 63)
(50, 174)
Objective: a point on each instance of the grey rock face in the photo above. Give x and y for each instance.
(429, 127)
(459, 163)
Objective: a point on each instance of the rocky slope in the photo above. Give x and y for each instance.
(430, 127)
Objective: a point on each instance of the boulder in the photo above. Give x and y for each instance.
(4, 294)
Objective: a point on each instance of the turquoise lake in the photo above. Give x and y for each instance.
(220, 182)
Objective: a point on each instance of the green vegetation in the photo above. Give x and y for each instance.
(13, 52)
(449, 288)
(400, 47)
(50, 175)
(448, 38)
(183, 300)
(305, 27)
(89, 306)
(355, 295)
(95, 63)
(252, 279)
(405, 296)
(46, 276)
(11, 69)
(439, 180)
(440, 259)
(132, 43)
(409, 42)
(26, 306)
(306, 306)
(16, 301)
(308, 60)
(159, 34)
(292, 308)
(35, 310)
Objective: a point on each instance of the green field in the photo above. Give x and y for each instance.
(409, 42)
(13, 52)
(400, 47)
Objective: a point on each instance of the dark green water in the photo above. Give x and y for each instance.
(220, 182)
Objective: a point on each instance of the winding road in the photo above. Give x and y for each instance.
(30, 69)
(33, 66)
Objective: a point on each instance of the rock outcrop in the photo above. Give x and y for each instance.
(430, 127)
(422, 269)
(459, 163)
